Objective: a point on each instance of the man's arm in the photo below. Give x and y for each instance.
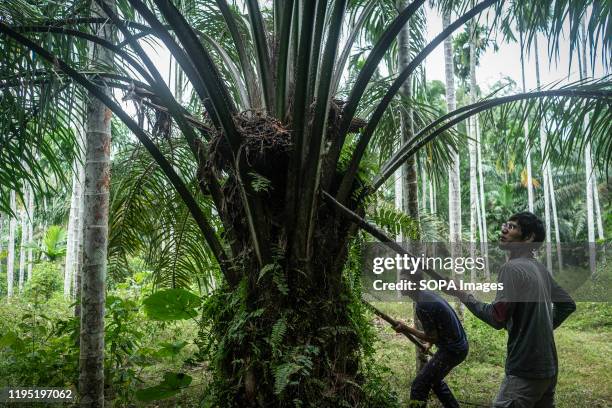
(404, 328)
(494, 314)
(563, 304)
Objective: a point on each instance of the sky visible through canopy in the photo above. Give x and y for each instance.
(494, 65)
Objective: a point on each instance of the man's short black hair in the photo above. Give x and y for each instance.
(530, 224)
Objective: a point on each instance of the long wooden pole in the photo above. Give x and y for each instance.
(394, 323)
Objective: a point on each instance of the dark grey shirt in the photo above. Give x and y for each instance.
(530, 307)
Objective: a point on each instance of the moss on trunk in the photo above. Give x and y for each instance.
(292, 333)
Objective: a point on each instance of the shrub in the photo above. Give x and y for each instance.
(46, 279)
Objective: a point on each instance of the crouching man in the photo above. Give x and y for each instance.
(441, 327)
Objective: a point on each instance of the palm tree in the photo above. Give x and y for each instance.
(279, 163)
(10, 262)
(30, 232)
(476, 45)
(526, 130)
(410, 185)
(96, 189)
(75, 220)
(545, 167)
(454, 185)
(22, 246)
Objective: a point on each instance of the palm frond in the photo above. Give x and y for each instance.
(148, 217)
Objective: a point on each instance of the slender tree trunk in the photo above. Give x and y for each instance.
(588, 163)
(588, 170)
(75, 233)
(475, 222)
(549, 188)
(545, 165)
(22, 251)
(411, 203)
(96, 202)
(484, 239)
(10, 262)
(600, 231)
(78, 246)
(454, 172)
(454, 192)
(432, 195)
(592, 174)
(553, 203)
(526, 133)
(30, 232)
(424, 184)
(70, 239)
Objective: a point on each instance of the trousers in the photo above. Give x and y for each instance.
(519, 392)
(431, 377)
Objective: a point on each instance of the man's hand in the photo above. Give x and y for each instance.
(426, 347)
(400, 327)
(461, 295)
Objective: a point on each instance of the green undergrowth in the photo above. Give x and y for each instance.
(38, 343)
(170, 358)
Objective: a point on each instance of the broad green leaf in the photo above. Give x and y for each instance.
(171, 304)
(170, 349)
(171, 385)
(11, 340)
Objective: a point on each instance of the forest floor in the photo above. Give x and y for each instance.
(584, 347)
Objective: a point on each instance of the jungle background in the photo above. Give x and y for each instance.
(165, 289)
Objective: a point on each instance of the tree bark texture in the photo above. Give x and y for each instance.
(30, 257)
(454, 185)
(474, 201)
(75, 234)
(484, 239)
(10, 262)
(95, 242)
(22, 251)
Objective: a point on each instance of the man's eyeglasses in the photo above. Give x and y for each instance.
(509, 227)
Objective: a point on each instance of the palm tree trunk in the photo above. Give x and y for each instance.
(411, 203)
(600, 231)
(432, 197)
(591, 171)
(484, 240)
(588, 163)
(30, 232)
(553, 203)
(424, 184)
(454, 187)
(454, 172)
(75, 234)
(78, 246)
(545, 165)
(70, 239)
(95, 243)
(22, 251)
(474, 201)
(549, 188)
(526, 134)
(10, 262)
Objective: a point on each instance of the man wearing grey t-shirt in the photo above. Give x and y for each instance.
(530, 306)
